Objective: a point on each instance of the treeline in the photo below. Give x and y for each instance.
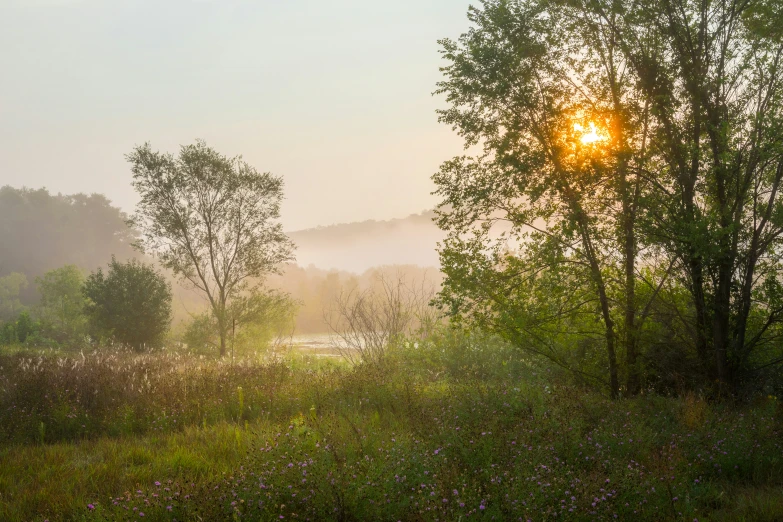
(40, 232)
(129, 305)
(59, 240)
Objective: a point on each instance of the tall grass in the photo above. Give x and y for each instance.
(453, 428)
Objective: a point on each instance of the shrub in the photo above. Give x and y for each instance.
(130, 304)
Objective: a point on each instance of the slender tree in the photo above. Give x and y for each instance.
(212, 220)
(561, 127)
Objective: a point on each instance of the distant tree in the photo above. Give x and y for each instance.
(8, 333)
(130, 304)
(11, 287)
(18, 330)
(61, 308)
(212, 221)
(25, 326)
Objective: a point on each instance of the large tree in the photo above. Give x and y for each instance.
(213, 221)
(674, 174)
(561, 130)
(711, 73)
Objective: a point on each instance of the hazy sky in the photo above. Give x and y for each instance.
(334, 95)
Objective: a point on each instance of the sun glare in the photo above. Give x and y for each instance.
(590, 135)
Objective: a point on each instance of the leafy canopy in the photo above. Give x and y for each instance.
(212, 220)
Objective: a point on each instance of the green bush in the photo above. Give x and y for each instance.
(130, 304)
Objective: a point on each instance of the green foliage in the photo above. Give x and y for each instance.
(130, 304)
(62, 303)
(212, 220)
(676, 195)
(8, 333)
(11, 287)
(256, 319)
(25, 327)
(42, 231)
(201, 334)
(458, 417)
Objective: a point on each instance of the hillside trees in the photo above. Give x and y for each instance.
(625, 145)
(212, 220)
(40, 231)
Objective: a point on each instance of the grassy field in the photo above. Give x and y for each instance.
(456, 428)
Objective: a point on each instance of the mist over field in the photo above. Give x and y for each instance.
(356, 247)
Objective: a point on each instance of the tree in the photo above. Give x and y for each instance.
(620, 141)
(212, 221)
(260, 318)
(712, 74)
(130, 304)
(562, 131)
(11, 287)
(61, 307)
(25, 326)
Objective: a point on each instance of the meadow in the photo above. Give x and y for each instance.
(456, 427)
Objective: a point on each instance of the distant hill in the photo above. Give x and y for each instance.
(356, 247)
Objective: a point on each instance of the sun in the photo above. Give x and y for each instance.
(590, 135)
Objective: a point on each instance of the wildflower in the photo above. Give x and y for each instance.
(90, 507)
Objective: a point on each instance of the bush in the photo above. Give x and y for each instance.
(256, 320)
(130, 305)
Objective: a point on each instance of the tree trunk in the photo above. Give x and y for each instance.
(605, 308)
(720, 328)
(628, 219)
(223, 333)
(610, 349)
(633, 383)
(222, 342)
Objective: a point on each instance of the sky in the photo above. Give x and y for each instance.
(335, 96)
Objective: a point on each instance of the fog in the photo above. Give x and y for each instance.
(335, 97)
